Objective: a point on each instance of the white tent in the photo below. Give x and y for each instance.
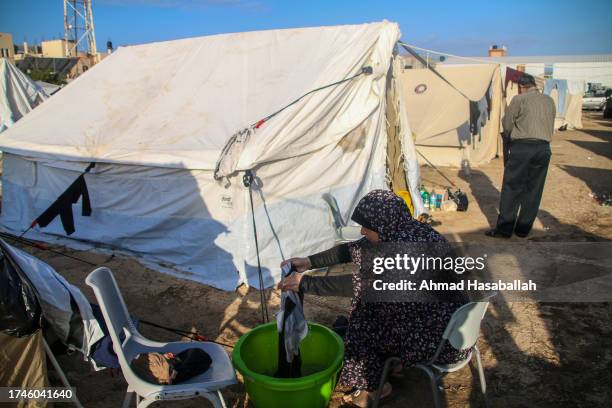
(18, 94)
(439, 112)
(155, 119)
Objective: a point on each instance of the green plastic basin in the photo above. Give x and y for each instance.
(256, 358)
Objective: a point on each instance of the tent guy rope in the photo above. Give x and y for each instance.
(248, 179)
(243, 135)
(432, 69)
(447, 54)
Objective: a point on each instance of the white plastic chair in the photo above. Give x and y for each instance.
(462, 333)
(344, 233)
(207, 385)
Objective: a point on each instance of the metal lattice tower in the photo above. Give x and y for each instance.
(79, 32)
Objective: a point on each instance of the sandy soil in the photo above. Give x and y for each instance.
(535, 355)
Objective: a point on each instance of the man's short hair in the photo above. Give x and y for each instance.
(526, 80)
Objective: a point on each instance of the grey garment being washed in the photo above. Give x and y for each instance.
(292, 323)
(531, 115)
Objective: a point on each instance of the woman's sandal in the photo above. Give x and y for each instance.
(362, 399)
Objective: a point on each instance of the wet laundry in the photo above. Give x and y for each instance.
(562, 90)
(292, 329)
(512, 75)
(480, 113)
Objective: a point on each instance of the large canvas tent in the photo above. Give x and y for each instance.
(438, 110)
(18, 94)
(155, 118)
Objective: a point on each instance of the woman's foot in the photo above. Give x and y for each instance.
(397, 371)
(362, 399)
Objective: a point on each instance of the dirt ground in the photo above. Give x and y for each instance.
(535, 355)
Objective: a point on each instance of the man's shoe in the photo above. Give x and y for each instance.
(496, 234)
(521, 234)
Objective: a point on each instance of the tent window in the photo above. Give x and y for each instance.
(419, 89)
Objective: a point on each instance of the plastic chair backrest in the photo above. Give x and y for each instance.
(463, 328)
(113, 309)
(335, 210)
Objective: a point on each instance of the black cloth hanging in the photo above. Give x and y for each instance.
(474, 117)
(488, 97)
(288, 369)
(63, 205)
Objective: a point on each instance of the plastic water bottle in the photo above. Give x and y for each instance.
(465, 166)
(432, 200)
(425, 197)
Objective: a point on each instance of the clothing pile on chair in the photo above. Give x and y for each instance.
(169, 368)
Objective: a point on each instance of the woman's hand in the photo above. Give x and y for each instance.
(300, 264)
(291, 282)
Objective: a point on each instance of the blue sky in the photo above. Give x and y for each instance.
(538, 27)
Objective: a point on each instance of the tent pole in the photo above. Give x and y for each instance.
(247, 180)
(60, 372)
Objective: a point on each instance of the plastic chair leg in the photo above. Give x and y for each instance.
(383, 378)
(60, 372)
(433, 380)
(129, 394)
(144, 403)
(215, 399)
(481, 376)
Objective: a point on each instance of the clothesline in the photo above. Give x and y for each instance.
(447, 54)
(495, 62)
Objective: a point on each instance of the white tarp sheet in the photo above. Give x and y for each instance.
(54, 294)
(155, 118)
(18, 94)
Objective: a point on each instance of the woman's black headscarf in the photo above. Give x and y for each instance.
(387, 214)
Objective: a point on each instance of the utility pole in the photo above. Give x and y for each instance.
(79, 28)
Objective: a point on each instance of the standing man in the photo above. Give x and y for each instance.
(529, 123)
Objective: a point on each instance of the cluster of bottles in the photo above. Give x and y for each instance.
(432, 200)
